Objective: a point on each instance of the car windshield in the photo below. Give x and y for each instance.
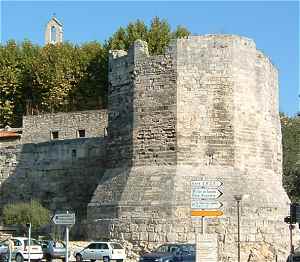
(188, 248)
(116, 246)
(59, 245)
(33, 242)
(167, 249)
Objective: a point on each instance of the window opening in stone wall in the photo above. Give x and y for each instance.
(81, 133)
(54, 135)
(74, 153)
(53, 34)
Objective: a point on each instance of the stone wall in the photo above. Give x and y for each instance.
(40, 128)
(207, 109)
(61, 174)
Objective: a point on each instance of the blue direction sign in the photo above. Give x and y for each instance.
(64, 219)
(205, 204)
(205, 193)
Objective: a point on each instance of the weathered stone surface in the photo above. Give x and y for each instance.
(39, 128)
(61, 173)
(206, 109)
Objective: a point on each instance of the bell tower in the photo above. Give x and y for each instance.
(54, 31)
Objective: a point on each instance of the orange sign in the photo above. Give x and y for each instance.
(206, 213)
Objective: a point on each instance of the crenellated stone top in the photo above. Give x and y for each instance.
(139, 49)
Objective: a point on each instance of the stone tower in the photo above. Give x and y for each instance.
(206, 109)
(54, 31)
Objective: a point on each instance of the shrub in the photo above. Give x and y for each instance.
(21, 213)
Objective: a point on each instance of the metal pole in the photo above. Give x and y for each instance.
(29, 241)
(238, 228)
(67, 242)
(9, 250)
(291, 227)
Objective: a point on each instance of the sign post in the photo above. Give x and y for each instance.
(29, 240)
(66, 219)
(204, 195)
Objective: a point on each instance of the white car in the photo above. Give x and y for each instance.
(105, 251)
(3, 252)
(21, 249)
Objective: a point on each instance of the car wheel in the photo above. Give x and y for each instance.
(19, 258)
(106, 259)
(93, 260)
(78, 258)
(119, 260)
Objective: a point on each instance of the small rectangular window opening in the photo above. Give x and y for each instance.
(81, 133)
(54, 135)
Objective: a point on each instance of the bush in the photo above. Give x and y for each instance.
(22, 213)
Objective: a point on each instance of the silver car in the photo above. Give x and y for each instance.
(54, 249)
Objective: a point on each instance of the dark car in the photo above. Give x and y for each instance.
(293, 258)
(171, 253)
(54, 249)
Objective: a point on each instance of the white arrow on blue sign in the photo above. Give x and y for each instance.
(64, 219)
(205, 204)
(205, 193)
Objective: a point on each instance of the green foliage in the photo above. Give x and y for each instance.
(67, 77)
(158, 35)
(10, 81)
(52, 78)
(291, 156)
(22, 213)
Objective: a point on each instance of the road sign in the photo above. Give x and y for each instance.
(205, 193)
(206, 213)
(210, 183)
(205, 204)
(64, 219)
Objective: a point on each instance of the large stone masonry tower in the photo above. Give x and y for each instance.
(206, 109)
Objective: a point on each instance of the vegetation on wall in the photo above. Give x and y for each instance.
(67, 77)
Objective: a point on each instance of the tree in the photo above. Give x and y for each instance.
(159, 36)
(67, 77)
(291, 156)
(10, 75)
(23, 213)
(180, 32)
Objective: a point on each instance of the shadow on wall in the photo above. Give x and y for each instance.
(61, 174)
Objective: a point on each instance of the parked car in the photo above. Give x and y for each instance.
(21, 249)
(293, 258)
(105, 251)
(54, 249)
(3, 252)
(171, 253)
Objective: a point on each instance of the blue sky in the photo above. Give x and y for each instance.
(273, 25)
